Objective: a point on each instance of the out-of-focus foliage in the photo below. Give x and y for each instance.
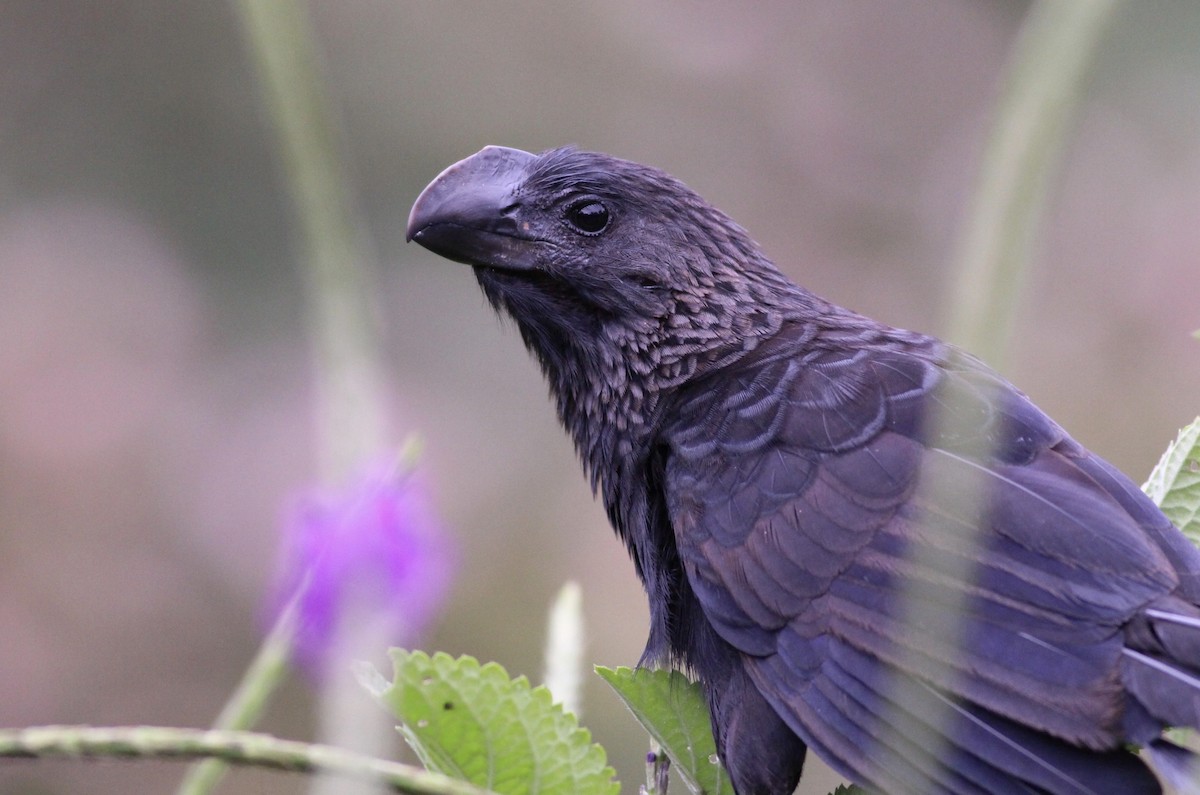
(156, 402)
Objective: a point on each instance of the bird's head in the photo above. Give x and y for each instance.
(584, 249)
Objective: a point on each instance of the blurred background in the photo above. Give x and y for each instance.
(155, 385)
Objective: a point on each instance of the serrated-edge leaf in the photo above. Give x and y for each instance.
(1174, 484)
(672, 709)
(849, 789)
(475, 723)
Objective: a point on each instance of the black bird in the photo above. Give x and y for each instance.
(859, 539)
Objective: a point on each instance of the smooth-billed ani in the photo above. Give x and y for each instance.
(859, 539)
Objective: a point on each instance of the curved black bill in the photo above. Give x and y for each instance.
(465, 213)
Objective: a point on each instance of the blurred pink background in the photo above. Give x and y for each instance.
(155, 397)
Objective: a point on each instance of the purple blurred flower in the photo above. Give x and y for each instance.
(372, 562)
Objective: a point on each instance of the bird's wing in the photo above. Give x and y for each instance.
(913, 563)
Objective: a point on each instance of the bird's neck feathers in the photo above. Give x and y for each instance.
(611, 377)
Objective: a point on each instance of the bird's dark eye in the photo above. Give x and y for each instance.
(588, 216)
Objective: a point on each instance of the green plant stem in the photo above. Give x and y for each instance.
(1041, 89)
(238, 747)
(350, 416)
(658, 769)
(263, 677)
(351, 421)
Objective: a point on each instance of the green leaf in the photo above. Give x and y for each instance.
(473, 722)
(849, 789)
(1174, 485)
(672, 709)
